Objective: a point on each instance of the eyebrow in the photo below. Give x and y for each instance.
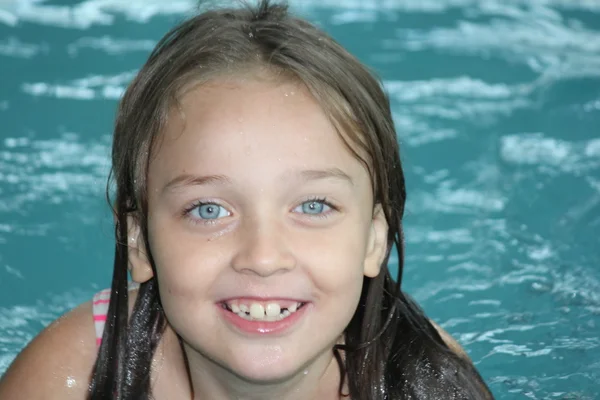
(195, 180)
(307, 175)
(335, 173)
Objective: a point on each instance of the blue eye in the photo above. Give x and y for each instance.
(313, 207)
(209, 211)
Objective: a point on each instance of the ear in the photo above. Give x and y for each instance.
(138, 263)
(377, 243)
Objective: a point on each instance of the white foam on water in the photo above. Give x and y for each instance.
(54, 170)
(539, 149)
(532, 33)
(13, 47)
(424, 234)
(58, 91)
(519, 350)
(91, 87)
(456, 99)
(432, 289)
(19, 323)
(354, 16)
(534, 36)
(576, 287)
(457, 201)
(110, 45)
(13, 271)
(89, 13)
(461, 86)
(506, 7)
(102, 12)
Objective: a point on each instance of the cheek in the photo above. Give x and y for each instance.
(337, 259)
(183, 265)
(186, 274)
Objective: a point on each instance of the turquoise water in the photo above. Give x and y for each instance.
(497, 105)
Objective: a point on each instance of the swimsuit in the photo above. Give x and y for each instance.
(100, 310)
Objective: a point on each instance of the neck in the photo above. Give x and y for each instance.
(318, 381)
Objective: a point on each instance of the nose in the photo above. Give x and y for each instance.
(262, 249)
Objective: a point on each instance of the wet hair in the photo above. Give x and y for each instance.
(391, 350)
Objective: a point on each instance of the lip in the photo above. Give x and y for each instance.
(264, 327)
(261, 299)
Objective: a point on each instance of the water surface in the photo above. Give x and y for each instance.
(497, 106)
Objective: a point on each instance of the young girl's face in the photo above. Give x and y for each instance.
(255, 201)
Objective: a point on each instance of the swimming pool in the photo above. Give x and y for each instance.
(497, 105)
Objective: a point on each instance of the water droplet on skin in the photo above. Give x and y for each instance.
(305, 372)
(271, 356)
(215, 236)
(70, 382)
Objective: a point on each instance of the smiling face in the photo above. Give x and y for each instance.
(255, 200)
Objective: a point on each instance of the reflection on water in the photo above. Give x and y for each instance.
(496, 103)
(89, 88)
(52, 171)
(20, 323)
(85, 14)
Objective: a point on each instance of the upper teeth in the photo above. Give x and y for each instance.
(269, 312)
(258, 311)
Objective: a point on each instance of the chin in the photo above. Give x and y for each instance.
(270, 367)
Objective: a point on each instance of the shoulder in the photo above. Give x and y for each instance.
(464, 374)
(451, 342)
(59, 360)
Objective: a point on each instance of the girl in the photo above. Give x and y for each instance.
(259, 193)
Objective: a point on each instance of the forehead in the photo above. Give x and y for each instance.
(231, 124)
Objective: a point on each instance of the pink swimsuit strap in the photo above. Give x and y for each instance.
(100, 310)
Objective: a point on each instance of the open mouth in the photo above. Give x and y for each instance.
(269, 312)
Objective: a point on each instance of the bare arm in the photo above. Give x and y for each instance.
(57, 364)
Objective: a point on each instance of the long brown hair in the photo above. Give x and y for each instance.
(391, 350)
